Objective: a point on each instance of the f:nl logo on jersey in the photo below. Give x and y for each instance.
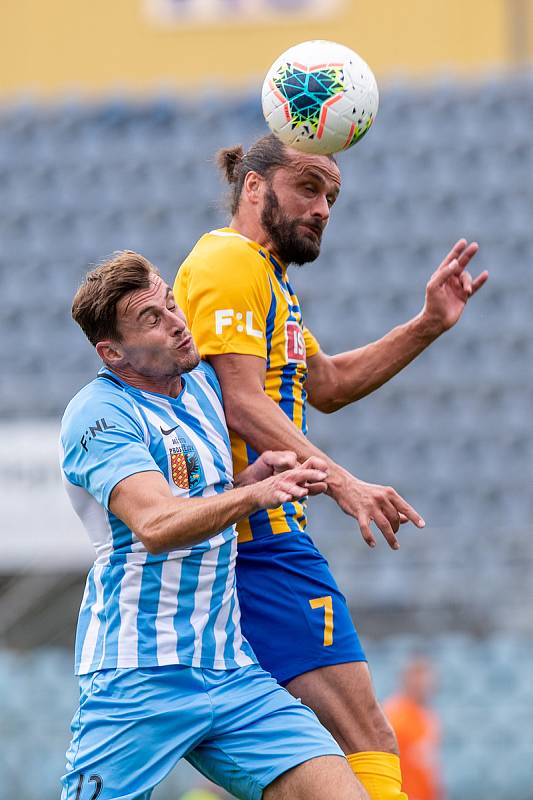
(295, 342)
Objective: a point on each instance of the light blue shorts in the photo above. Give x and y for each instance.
(238, 727)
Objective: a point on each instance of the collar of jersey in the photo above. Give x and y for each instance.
(279, 267)
(106, 372)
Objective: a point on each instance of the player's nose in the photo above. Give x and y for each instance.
(321, 208)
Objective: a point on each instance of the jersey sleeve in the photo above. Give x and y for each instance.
(103, 442)
(312, 346)
(226, 296)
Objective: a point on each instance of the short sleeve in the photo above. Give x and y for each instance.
(225, 294)
(103, 442)
(311, 344)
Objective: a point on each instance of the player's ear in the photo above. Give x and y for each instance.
(110, 352)
(253, 187)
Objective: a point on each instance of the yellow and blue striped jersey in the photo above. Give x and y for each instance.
(237, 299)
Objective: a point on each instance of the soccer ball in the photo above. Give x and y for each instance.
(320, 97)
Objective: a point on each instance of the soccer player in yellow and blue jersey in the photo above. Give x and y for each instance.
(246, 320)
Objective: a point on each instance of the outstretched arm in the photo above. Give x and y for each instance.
(262, 423)
(162, 522)
(336, 381)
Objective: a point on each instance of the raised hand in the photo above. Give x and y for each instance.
(450, 287)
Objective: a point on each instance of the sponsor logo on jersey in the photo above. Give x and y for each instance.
(100, 426)
(294, 341)
(243, 322)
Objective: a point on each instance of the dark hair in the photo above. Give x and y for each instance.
(95, 303)
(266, 155)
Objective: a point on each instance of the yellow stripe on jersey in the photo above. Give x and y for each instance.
(237, 299)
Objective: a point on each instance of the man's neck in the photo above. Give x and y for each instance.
(252, 229)
(171, 387)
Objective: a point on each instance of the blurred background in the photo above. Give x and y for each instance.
(110, 114)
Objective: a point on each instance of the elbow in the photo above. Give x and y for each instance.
(152, 543)
(152, 538)
(327, 403)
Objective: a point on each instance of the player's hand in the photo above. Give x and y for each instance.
(273, 462)
(449, 289)
(285, 487)
(369, 502)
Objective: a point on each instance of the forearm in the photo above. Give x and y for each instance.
(175, 522)
(262, 424)
(357, 373)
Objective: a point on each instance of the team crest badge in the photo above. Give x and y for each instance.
(185, 468)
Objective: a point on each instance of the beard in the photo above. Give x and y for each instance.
(288, 242)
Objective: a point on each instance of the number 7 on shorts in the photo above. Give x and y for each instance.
(327, 604)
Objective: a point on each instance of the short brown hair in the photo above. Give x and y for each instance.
(94, 307)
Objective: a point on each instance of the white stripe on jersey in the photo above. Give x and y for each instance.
(130, 591)
(167, 636)
(240, 656)
(91, 636)
(221, 637)
(202, 601)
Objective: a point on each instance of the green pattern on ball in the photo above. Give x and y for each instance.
(307, 91)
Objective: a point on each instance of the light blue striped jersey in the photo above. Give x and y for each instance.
(140, 609)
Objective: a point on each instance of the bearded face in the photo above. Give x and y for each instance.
(296, 240)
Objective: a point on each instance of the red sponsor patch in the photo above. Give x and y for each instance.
(295, 342)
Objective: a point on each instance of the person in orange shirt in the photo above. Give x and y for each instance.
(417, 729)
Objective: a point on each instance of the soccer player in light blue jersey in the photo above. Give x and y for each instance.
(163, 668)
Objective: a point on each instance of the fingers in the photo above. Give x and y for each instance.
(479, 281)
(456, 261)
(299, 482)
(454, 253)
(384, 524)
(317, 488)
(465, 280)
(280, 460)
(407, 511)
(364, 526)
(315, 462)
(468, 254)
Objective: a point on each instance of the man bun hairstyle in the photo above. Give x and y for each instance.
(94, 307)
(265, 156)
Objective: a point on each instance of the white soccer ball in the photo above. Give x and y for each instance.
(320, 97)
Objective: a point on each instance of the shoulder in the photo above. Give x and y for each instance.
(221, 254)
(100, 403)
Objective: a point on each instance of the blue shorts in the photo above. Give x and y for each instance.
(238, 727)
(293, 613)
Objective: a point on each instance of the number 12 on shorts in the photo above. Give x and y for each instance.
(327, 604)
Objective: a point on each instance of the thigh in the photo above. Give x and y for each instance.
(259, 732)
(293, 613)
(343, 698)
(132, 727)
(328, 776)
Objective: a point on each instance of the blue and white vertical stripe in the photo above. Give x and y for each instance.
(140, 609)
